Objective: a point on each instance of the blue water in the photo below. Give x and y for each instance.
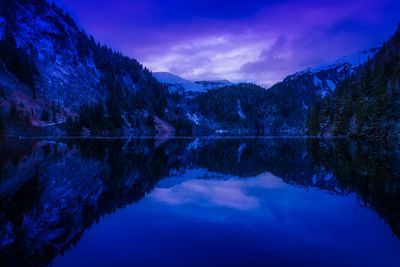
(256, 221)
(234, 213)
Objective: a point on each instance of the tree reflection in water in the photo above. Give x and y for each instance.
(52, 192)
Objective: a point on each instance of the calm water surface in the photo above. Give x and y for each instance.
(199, 202)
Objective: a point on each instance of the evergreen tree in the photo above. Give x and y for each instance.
(2, 124)
(314, 120)
(45, 116)
(366, 104)
(17, 61)
(14, 114)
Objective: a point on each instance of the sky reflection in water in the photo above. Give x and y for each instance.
(239, 222)
(218, 202)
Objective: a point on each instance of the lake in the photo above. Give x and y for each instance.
(199, 202)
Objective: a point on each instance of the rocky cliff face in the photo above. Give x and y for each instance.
(50, 68)
(68, 69)
(249, 109)
(67, 73)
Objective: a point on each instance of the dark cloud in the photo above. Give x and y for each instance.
(260, 41)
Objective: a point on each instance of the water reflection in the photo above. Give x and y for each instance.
(52, 192)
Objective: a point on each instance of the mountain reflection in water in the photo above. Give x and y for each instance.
(52, 193)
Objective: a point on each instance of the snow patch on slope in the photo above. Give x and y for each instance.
(174, 82)
(194, 118)
(240, 111)
(213, 85)
(331, 85)
(317, 82)
(2, 27)
(351, 61)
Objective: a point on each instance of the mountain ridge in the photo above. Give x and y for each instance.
(365, 105)
(176, 83)
(72, 75)
(57, 80)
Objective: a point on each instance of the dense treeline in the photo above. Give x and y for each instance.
(366, 104)
(130, 89)
(2, 124)
(107, 120)
(16, 122)
(17, 61)
(129, 97)
(243, 106)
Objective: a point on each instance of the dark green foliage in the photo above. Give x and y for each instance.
(13, 114)
(96, 119)
(2, 124)
(243, 106)
(366, 104)
(150, 122)
(183, 127)
(114, 109)
(314, 120)
(45, 116)
(93, 117)
(73, 127)
(127, 90)
(15, 122)
(149, 96)
(17, 61)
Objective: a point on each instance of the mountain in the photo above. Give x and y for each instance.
(50, 70)
(366, 105)
(178, 84)
(212, 85)
(241, 109)
(298, 92)
(57, 80)
(182, 86)
(280, 110)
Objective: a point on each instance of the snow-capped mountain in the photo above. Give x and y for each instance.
(49, 67)
(368, 105)
(212, 85)
(280, 110)
(283, 108)
(178, 84)
(352, 61)
(326, 77)
(297, 92)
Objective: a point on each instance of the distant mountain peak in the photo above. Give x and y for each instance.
(352, 61)
(176, 83)
(212, 85)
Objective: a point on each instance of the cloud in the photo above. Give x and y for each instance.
(207, 39)
(218, 193)
(233, 193)
(266, 47)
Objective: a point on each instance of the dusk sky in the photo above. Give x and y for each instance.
(253, 40)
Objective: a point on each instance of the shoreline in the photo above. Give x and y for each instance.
(168, 137)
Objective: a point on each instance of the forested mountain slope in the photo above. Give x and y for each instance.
(51, 69)
(298, 92)
(280, 110)
(367, 104)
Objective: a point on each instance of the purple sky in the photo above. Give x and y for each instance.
(254, 40)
